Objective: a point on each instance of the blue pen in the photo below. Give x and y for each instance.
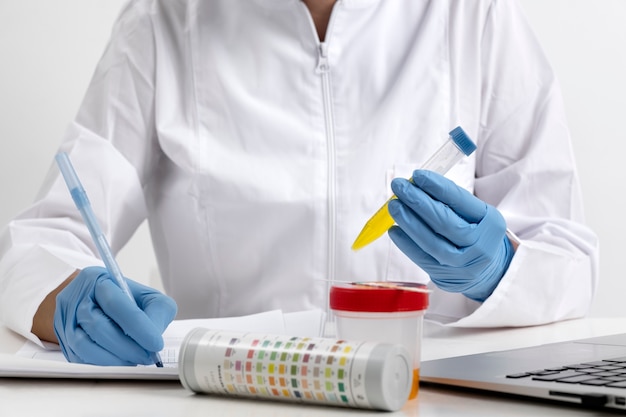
(82, 203)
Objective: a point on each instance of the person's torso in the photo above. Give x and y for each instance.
(278, 148)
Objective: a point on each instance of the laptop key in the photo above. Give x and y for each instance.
(519, 375)
(561, 375)
(614, 378)
(595, 382)
(543, 372)
(603, 374)
(559, 368)
(609, 368)
(620, 359)
(578, 366)
(576, 379)
(617, 384)
(592, 370)
(598, 363)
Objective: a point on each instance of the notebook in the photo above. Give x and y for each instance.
(33, 361)
(590, 372)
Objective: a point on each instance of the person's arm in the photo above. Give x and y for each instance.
(525, 168)
(48, 241)
(43, 321)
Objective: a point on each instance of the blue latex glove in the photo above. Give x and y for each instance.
(458, 239)
(97, 323)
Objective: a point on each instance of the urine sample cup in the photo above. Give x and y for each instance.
(389, 312)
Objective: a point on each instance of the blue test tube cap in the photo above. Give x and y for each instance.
(462, 140)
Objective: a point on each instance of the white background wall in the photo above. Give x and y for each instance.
(48, 51)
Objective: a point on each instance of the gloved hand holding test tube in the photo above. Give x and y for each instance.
(76, 299)
(456, 147)
(460, 241)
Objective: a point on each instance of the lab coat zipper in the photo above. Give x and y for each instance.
(324, 71)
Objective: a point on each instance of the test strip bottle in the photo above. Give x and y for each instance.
(325, 371)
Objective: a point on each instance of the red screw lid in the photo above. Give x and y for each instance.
(388, 297)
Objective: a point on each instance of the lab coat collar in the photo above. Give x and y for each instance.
(348, 4)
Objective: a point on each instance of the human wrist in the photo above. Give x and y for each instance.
(491, 278)
(43, 320)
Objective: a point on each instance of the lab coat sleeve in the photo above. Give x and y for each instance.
(109, 144)
(525, 167)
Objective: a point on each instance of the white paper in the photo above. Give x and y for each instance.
(32, 361)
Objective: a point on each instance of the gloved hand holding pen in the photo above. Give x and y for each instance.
(97, 323)
(458, 239)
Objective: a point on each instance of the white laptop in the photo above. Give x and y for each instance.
(591, 372)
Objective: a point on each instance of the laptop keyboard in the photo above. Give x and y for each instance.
(608, 372)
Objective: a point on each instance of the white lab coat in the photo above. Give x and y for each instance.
(257, 153)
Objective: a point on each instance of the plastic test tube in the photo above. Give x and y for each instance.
(452, 151)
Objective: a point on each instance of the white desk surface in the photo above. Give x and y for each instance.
(85, 398)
